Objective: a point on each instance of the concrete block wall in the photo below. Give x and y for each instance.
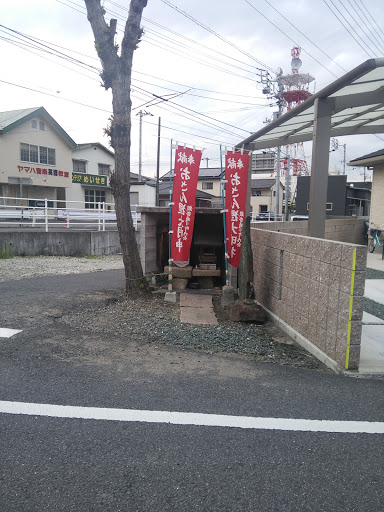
(314, 286)
(345, 229)
(148, 243)
(61, 243)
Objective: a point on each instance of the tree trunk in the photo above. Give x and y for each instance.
(121, 141)
(117, 76)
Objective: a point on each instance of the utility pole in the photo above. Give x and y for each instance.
(287, 187)
(278, 156)
(158, 165)
(141, 114)
(345, 149)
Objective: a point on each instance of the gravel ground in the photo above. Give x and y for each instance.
(372, 273)
(374, 308)
(20, 267)
(152, 320)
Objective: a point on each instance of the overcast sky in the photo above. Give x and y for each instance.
(215, 71)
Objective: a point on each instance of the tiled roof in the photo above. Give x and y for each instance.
(266, 183)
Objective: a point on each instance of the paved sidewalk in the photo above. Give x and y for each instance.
(197, 309)
(372, 340)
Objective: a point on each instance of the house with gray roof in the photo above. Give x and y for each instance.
(36, 155)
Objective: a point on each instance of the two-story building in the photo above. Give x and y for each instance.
(35, 156)
(39, 160)
(92, 164)
(263, 195)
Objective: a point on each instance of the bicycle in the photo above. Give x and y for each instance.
(375, 240)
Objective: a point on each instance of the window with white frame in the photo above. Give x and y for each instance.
(207, 185)
(79, 166)
(37, 154)
(256, 193)
(104, 169)
(93, 197)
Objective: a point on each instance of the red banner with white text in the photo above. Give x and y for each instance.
(186, 174)
(236, 177)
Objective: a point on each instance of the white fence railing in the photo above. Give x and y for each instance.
(59, 214)
(266, 217)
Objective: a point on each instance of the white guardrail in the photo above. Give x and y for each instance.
(55, 213)
(266, 217)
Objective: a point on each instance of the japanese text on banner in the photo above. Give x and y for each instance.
(187, 164)
(236, 176)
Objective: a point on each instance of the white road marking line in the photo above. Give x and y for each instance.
(189, 418)
(7, 333)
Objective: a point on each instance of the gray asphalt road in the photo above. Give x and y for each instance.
(60, 464)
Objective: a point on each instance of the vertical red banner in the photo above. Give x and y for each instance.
(186, 174)
(236, 176)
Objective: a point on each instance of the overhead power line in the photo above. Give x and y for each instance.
(208, 29)
(22, 44)
(286, 35)
(346, 28)
(361, 23)
(379, 30)
(306, 37)
(47, 48)
(176, 50)
(55, 96)
(182, 36)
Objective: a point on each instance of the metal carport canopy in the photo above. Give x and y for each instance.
(351, 105)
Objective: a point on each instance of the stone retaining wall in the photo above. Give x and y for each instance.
(315, 287)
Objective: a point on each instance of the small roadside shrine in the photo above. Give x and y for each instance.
(204, 244)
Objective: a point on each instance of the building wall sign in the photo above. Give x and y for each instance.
(42, 171)
(89, 179)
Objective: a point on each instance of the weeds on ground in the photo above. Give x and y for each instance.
(5, 253)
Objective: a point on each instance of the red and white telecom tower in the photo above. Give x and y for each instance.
(294, 90)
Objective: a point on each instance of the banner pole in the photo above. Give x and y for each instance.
(170, 225)
(225, 231)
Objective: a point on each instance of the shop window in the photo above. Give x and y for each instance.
(93, 197)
